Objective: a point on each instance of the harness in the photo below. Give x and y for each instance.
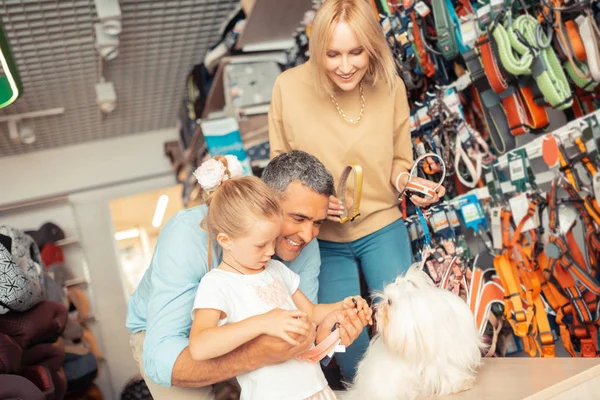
(576, 279)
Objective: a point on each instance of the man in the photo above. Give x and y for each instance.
(159, 314)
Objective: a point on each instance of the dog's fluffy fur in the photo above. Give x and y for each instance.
(427, 344)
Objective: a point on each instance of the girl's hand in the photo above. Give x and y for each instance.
(278, 323)
(424, 202)
(361, 306)
(335, 209)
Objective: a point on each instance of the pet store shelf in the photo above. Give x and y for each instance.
(535, 379)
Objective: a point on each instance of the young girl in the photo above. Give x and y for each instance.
(250, 294)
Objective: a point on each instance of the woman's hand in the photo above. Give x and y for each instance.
(279, 323)
(361, 306)
(335, 209)
(424, 202)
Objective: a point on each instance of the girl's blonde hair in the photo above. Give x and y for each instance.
(359, 15)
(236, 203)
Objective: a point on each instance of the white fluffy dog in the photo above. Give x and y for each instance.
(427, 344)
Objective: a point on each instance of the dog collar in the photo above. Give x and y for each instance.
(358, 181)
(323, 349)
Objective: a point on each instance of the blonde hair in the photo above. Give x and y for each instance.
(235, 202)
(359, 15)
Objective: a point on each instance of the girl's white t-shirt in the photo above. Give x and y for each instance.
(243, 296)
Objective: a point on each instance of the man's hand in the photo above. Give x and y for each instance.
(264, 350)
(351, 325)
(276, 350)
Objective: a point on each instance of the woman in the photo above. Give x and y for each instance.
(346, 105)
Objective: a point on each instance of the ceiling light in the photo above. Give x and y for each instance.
(109, 14)
(26, 134)
(159, 213)
(20, 132)
(106, 45)
(127, 234)
(106, 97)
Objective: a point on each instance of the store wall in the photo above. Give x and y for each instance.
(77, 168)
(89, 176)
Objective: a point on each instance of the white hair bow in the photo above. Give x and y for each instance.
(211, 173)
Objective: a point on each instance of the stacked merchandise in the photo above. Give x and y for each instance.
(226, 104)
(31, 356)
(44, 314)
(516, 237)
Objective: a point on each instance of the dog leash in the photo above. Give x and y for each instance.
(358, 182)
(418, 188)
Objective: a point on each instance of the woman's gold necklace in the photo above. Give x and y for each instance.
(362, 106)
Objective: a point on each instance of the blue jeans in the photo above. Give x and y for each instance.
(381, 256)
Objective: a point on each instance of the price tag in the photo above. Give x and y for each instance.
(453, 219)
(422, 9)
(518, 165)
(588, 137)
(439, 222)
(595, 125)
(469, 32)
(420, 149)
(463, 133)
(423, 116)
(420, 232)
(567, 216)
(596, 185)
(409, 32)
(496, 222)
(402, 38)
(497, 6)
(546, 225)
(519, 206)
(412, 232)
(472, 213)
(452, 100)
(484, 16)
(491, 181)
(386, 25)
(517, 170)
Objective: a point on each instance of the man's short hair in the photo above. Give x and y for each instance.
(299, 166)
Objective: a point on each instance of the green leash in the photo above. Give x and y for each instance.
(526, 37)
(587, 84)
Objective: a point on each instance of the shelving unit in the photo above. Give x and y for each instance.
(29, 216)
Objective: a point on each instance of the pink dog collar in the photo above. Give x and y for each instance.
(324, 348)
